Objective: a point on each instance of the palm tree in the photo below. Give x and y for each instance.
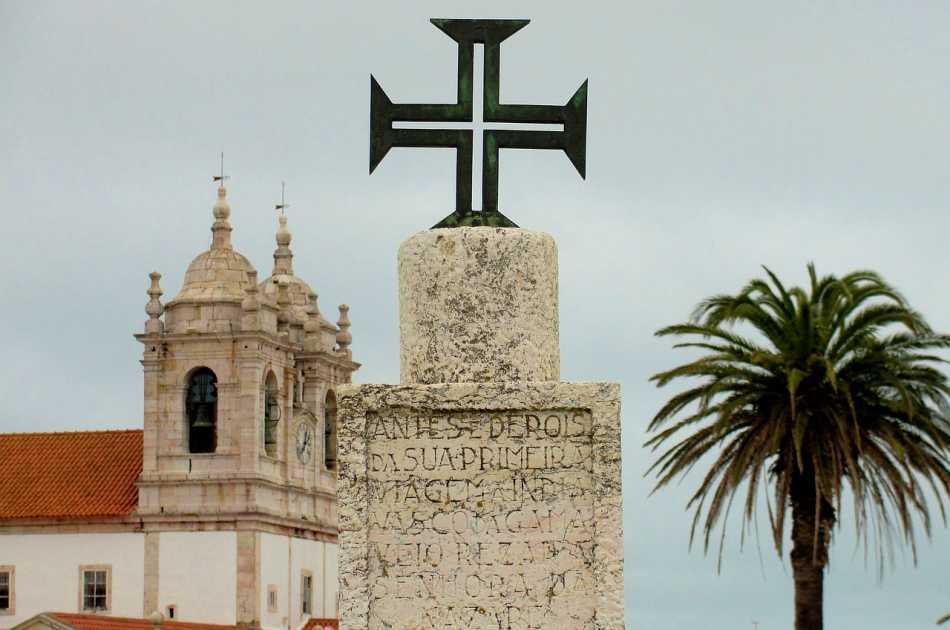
(801, 395)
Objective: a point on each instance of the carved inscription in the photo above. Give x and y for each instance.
(480, 520)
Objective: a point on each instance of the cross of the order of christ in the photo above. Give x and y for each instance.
(570, 138)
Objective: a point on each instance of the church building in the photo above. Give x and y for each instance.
(222, 508)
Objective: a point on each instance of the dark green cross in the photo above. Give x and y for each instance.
(572, 139)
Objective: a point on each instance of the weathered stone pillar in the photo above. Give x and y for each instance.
(480, 492)
(478, 305)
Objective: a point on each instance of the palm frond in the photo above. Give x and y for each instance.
(842, 394)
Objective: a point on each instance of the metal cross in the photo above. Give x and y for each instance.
(222, 177)
(572, 139)
(282, 205)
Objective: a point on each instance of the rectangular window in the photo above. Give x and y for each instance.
(271, 598)
(95, 588)
(6, 590)
(306, 594)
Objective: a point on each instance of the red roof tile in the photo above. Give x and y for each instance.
(103, 622)
(69, 475)
(322, 624)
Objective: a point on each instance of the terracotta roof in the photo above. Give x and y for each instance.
(69, 475)
(322, 624)
(102, 622)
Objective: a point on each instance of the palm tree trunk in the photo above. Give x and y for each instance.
(809, 592)
(809, 561)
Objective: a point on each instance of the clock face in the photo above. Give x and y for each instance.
(304, 441)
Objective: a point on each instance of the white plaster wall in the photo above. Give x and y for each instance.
(47, 571)
(307, 555)
(332, 581)
(198, 574)
(317, 558)
(283, 561)
(275, 560)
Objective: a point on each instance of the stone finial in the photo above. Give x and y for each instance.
(221, 229)
(313, 335)
(285, 314)
(251, 301)
(154, 308)
(314, 304)
(283, 234)
(344, 338)
(313, 314)
(283, 256)
(157, 619)
(251, 304)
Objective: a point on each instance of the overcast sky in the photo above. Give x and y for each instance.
(722, 136)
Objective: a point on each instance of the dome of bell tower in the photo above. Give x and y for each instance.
(220, 273)
(215, 276)
(218, 276)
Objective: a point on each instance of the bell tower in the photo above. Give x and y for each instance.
(240, 407)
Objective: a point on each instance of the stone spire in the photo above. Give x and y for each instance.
(283, 257)
(221, 229)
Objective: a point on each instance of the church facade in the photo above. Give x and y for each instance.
(222, 508)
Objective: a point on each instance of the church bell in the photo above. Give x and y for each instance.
(272, 409)
(203, 419)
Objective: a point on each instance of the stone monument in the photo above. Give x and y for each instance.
(480, 492)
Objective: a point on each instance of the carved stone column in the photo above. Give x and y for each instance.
(503, 482)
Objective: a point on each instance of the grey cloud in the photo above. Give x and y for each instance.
(723, 135)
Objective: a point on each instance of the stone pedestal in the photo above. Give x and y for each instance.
(480, 493)
(478, 305)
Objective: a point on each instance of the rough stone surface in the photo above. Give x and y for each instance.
(481, 505)
(217, 275)
(478, 304)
